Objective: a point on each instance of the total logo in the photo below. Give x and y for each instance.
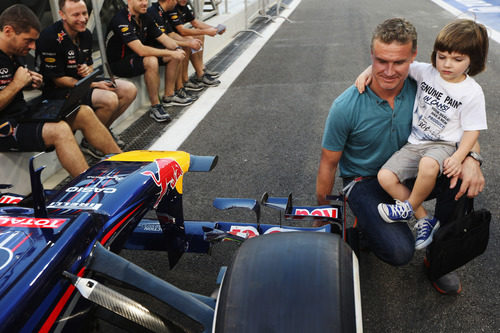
(28, 222)
(91, 189)
(326, 211)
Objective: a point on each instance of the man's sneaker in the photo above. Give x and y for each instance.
(401, 211)
(158, 113)
(175, 99)
(193, 85)
(185, 94)
(208, 81)
(88, 149)
(448, 284)
(425, 231)
(117, 139)
(211, 73)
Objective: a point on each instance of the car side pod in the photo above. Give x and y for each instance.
(291, 282)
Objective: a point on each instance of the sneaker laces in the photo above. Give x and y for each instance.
(422, 227)
(402, 208)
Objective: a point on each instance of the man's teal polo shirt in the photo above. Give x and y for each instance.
(367, 130)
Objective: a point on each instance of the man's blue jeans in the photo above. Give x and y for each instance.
(394, 243)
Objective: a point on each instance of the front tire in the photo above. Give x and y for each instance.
(291, 282)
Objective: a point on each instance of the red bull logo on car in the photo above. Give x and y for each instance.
(169, 172)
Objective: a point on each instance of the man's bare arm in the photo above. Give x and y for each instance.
(326, 174)
(145, 50)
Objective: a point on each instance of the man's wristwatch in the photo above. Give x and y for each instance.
(476, 156)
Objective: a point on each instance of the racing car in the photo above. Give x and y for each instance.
(59, 255)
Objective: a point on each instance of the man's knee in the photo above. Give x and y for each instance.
(150, 63)
(105, 99)
(126, 89)
(397, 255)
(55, 133)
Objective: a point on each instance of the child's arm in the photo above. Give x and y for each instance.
(364, 79)
(453, 164)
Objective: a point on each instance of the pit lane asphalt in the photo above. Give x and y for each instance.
(267, 132)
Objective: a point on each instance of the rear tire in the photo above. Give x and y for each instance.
(291, 282)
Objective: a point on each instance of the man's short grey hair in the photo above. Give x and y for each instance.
(396, 30)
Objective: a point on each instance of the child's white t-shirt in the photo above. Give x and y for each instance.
(443, 110)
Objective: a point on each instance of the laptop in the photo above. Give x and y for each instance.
(55, 110)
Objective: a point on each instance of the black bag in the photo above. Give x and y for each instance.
(460, 241)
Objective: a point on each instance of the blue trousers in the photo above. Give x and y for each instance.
(394, 243)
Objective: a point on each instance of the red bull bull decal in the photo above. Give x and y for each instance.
(169, 172)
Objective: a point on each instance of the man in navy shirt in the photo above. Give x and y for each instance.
(129, 33)
(19, 29)
(64, 52)
(183, 13)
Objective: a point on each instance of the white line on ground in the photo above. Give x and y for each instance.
(495, 35)
(182, 127)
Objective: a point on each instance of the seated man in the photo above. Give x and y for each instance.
(128, 32)
(183, 13)
(64, 52)
(158, 12)
(363, 130)
(19, 29)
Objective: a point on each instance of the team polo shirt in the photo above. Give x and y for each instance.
(58, 55)
(187, 12)
(180, 15)
(367, 130)
(124, 29)
(8, 68)
(160, 17)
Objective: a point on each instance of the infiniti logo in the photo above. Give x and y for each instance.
(71, 53)
(4, 71)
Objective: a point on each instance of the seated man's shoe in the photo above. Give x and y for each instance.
(183, 93)
(158, 113)
(177, 99)
(88, 149)
(193, 85)
(208, 81)
(213, 74)
(401, 211)
(426, 228)
(117, 139)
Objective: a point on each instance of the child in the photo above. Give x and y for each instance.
(449, 110)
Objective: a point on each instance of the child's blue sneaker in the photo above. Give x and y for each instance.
(401, 211)
(426, 228)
